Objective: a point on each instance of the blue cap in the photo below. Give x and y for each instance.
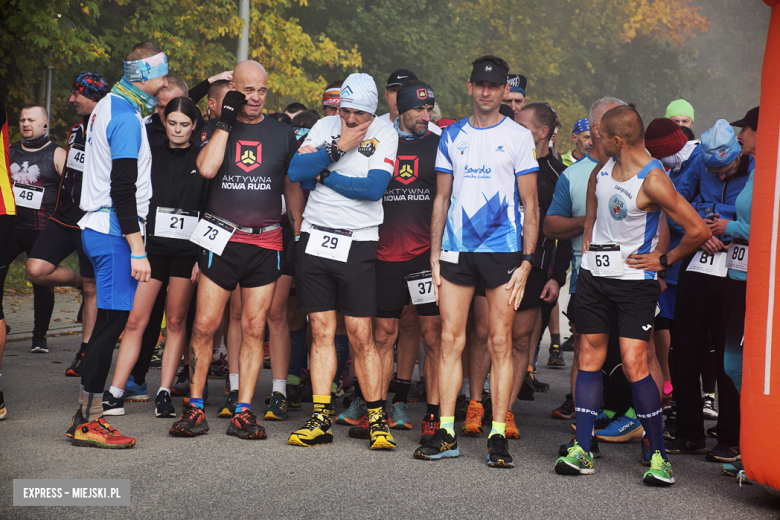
(719, 145)
(582, 125)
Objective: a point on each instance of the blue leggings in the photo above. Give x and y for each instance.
(735, 333)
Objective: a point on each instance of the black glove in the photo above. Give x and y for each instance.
(231, 104)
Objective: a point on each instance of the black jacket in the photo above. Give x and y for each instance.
(548, 255)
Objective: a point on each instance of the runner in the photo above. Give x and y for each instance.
(7, 217)
(36, 167)
(681, 112)
(330, 99)
(515, 99)
(247, 156)
(618, 281)
(352, 157)
(394, 82)
(486, 168)
(583, 144)
(61, 234)
(115, 196)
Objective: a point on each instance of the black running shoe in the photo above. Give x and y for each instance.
(2, 407)
(461, 407)
(539, 386)
(498, 452)
(556, 358)
(39, 345)
(156, 361)
(568, 345)
(565, 411)
(163, 405)
(76, 368)
(293, 397)
(722, 452)
(191, 423)
(441, 445)
(244, 425)
(113, 405)
(78, 420)
(670, 427)
(527, 389)
(680, 446)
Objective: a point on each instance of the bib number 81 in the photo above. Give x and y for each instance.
(706, 259)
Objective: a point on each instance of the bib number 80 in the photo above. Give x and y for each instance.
(738, 253)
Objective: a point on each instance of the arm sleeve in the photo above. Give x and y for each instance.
(561, 203)
(563, 255)
(124, 174)
(199, 91)
(371, 187)
(304, 166)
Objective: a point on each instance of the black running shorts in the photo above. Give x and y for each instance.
(56, 242)
(392, 291)
(486, 269)
(323, 284)
(169, 266)
(602, 301)
(247, 265)
(534, 286)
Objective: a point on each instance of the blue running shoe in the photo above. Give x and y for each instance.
(135, 392)
(602, 421)
(399, 418)
(622, 429)
(354, 415)
(163, 406)
(441, 445)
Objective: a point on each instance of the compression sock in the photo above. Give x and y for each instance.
(448, 423)
(233, 381)
(402, 390)
(297, 354)
(116, 392)
(555, 339)
(243, 406)
(498, 428)
(197, 403)
(588, 389)
(432, 409)
(321, 403)
(648, 408)
(280, 385)
(667, 387)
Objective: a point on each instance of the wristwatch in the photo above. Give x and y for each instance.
(664, 262)
(324, 175)
(531, 258)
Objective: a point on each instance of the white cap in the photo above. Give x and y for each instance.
(358, 92)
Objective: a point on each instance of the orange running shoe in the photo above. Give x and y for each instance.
(472, 426)
(100, 434)
(512, 432)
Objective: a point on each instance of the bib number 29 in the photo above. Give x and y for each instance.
(330, 242)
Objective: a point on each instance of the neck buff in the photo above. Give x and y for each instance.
(37, 142)
(406, 136)
(147, 68)
(674, 162)
(301, 132)
(143, 102)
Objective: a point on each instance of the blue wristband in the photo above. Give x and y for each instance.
(139, 257)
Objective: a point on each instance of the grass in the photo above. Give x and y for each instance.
(17, 283)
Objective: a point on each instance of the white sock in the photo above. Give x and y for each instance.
(163, 389)
(280, 385)
(116, 392)
(464, 387)
(233, 381)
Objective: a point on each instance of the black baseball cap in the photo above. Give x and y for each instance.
(506, 111)
(489, 71)
(399, 77)
(750, 119)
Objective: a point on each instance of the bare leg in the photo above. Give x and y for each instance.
(408, 342)
(454, 303)
(177, 305)
(255, 302)
(522, 331)
(662, 343)
(322, 366)
(367, 364)
(653, 365)
(279, 330)
(210, 306)
(88, 317)
(234, 331)
(385, 333)
(430, 327)
(479, 357)
(501, 316)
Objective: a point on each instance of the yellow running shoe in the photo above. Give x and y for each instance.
(381, 439)
(315, 432)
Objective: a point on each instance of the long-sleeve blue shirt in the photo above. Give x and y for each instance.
(740, 226)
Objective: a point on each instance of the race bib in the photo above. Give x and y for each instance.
(449, 256)
(421, 287)
(605, 260)
(175, 223)
(28, 196)
(329, 243)
(76, 157)
(713, 265)
(737, 257)
(212, 233)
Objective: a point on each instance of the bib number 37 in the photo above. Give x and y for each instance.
(421, 288)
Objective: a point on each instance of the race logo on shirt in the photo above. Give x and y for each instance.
(368, 147)
(617, 207)
(248, 155)
(406, 169)
(463, 148)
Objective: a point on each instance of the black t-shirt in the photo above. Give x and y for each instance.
(550, 169)
(408, 201)
(67, 211)
(249, 186)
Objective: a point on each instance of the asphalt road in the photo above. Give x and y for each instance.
(216, 476)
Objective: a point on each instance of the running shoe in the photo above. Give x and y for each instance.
(218, 369)
(712, 431)
(679, 446)
(244, 425)
(512, 432)
(498, 452)
(566, 410)
(156, 361)
(660, 472)
(487, 405)
(191, 423)
(381, 438)
(2, 406)
(163, 406)
(76, 368)
(602, 421)
(666, 403)
(441, 445)
(722, 452)
(315, 432)
(354, 414)
(39, 345)
(293, 397)
(461, 407)
(472, 426)
(113, 405)
(182, 386)
(418, 392)
(361, 431)
(228, 408)
(670, 428)
(568, 344)
(708, 408)
(428, 427)
(733, 469)
(186, 399)
(135, 392)
(100, 434)
(77, 420)
(527, 389)
(556, 357)
(595, 452)
(576, 462)
(538, 385)
(647, 454)
(399, 417)
(622, 429)
(277, 408)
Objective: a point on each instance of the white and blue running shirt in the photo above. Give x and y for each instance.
(115, 131)
(619, 220)
(484, 215)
